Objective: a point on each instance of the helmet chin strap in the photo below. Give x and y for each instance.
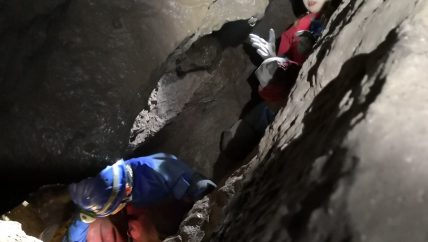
(87, 216)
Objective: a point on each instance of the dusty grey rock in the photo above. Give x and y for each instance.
(194, 134)
(203, 54)
(196, 107)
(165, 103)
(207, 214)
(10, 231)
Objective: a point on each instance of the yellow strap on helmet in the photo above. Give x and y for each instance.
(114, 191)
(87, 216)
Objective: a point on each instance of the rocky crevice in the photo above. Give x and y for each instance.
(343, 161)
(77, 73)
(315, 160)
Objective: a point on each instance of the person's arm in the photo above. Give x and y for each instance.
(286, 40)
(287, 37)
(77, 231)
(267, 69)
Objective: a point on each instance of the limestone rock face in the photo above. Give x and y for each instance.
(206, 93)
(11, 231)
(345, 160)
(202, 220)
(75, 74)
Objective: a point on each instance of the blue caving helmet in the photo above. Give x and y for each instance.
(101, 195)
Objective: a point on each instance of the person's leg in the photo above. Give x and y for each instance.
(238, 141)
(259, 118)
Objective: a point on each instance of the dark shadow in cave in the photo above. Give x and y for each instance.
(298, 7)
(256, 116)
(233, 34)
(23, 177)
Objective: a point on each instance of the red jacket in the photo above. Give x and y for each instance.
(288, 45)
(278, 89)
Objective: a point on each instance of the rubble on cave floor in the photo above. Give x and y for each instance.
(45, 214)
(11, 231)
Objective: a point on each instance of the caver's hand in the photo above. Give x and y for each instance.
(268, 68)
(266, 49)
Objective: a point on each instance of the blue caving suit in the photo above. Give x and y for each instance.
(155, 178)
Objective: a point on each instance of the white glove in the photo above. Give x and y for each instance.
(264, 48)
(268, 68)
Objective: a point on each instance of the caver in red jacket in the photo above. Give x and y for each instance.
(295, 44)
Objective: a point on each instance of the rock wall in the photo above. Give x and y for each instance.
(11, 232)
(345, 160)
(205, 93)
(75, 74)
